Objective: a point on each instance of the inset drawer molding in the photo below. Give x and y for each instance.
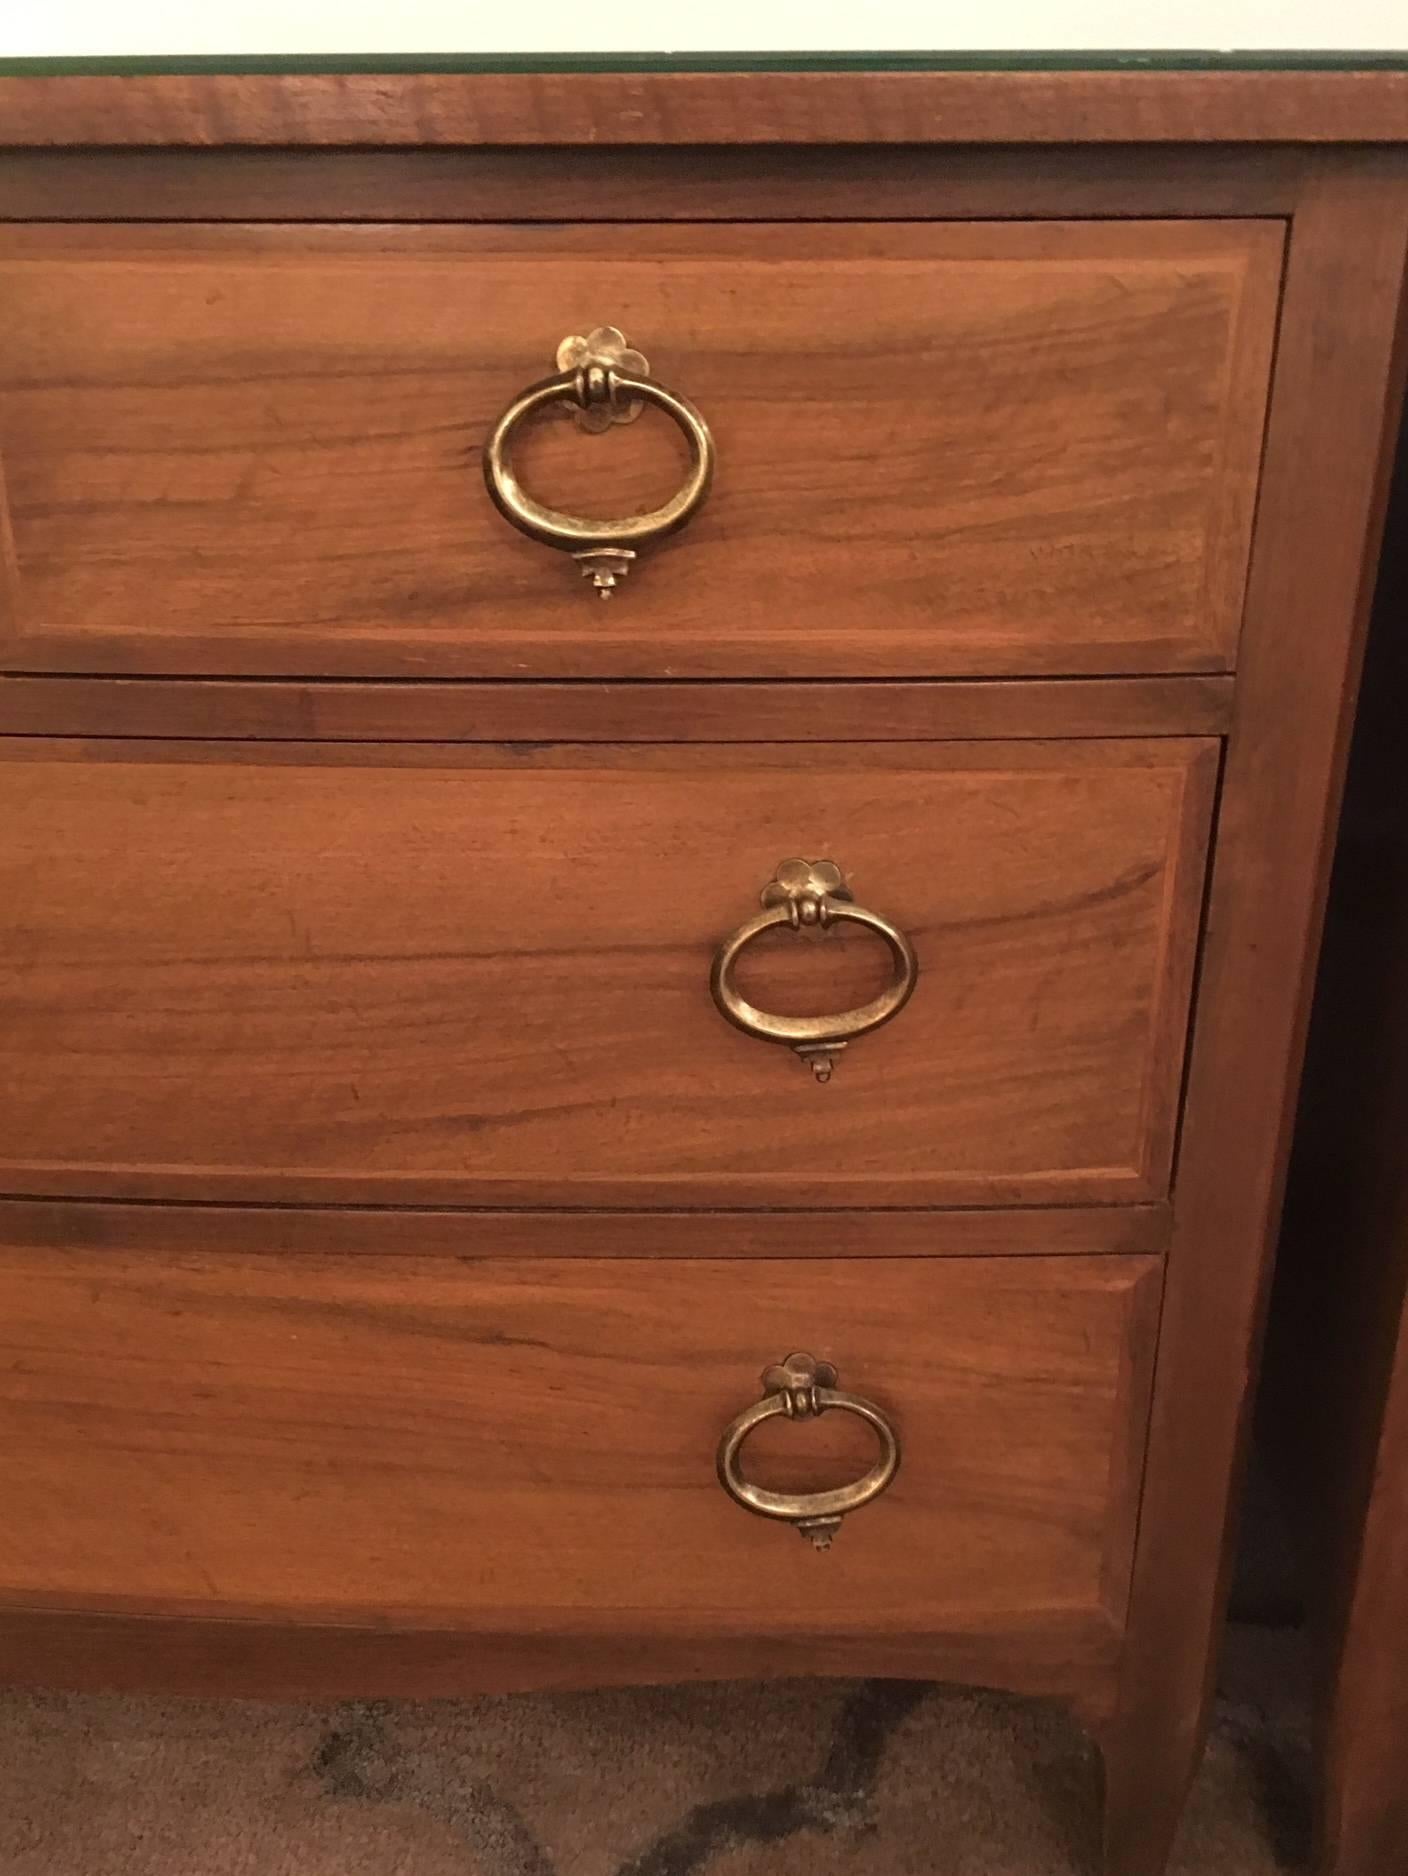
(480, 974)
(987, 448)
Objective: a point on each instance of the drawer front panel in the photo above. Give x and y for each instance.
(988, 448)
(480, 974)
(523, 1445)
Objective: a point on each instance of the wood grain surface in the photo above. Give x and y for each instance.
(1072, 1655)
(878, 710)
(501, 1447)
(1335, 404)
(967, 449)
(462, 974)
(413, 1231)
(394, 1439)
(682, 107)
(605, 184)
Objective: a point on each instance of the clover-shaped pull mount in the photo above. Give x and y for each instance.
(599, 361)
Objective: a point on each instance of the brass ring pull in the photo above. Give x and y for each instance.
(809, 896)
(796, 1388)
(603, 382)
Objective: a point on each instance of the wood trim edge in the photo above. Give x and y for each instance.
(634, 108)
(878, 710)
(312, 1231)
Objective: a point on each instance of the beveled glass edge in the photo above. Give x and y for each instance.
(409, 64)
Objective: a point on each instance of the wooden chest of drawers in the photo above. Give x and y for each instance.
(422, 1248)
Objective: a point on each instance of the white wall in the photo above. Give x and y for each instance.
(47, 28)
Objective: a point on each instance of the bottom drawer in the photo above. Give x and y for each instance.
(525, 1445)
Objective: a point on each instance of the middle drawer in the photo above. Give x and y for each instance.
(480, 974)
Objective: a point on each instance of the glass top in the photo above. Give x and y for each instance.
(626, 36)
(1039, 59)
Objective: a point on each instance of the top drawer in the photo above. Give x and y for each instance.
(942, 449)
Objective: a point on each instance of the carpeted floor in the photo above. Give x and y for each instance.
(857, 1779)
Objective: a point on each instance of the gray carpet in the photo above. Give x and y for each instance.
(829, 1779)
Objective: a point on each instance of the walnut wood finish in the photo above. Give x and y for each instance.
(509, 1445)
(681, 107)
(1337, 391)
(385, 1231)
(1140, 1670)
(1017, 448)
(1334, 1412)
(265, 710)
(453, 974)
(1071, 1656)
(838, 183)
